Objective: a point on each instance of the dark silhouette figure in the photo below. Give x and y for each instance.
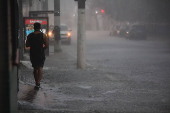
(38, 42)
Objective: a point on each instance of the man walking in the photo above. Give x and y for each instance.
(38, 42)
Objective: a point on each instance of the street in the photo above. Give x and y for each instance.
(121, 76)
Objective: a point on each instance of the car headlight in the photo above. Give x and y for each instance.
(49, 33)
(69, 34)
(127, 32)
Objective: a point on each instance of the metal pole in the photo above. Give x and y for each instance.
(81, 39)
(21, 40)
(57, 41)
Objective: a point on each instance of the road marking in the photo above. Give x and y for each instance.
(110, 92)
(85, 87)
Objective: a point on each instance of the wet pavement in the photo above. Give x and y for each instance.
(30, 98)
(122, 76)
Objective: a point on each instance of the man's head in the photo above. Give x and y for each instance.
(37, 26)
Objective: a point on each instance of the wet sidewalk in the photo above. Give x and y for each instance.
(32, 100)
(49, 98)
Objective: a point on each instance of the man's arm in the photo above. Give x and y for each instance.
(28, 42)
(45, 38)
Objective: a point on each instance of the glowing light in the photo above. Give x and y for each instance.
(102, 11)
(49, 33)
(69, 34)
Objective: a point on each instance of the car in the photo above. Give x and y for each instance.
(114, 31)
(123, 30)
(65, 33)
(137, 32)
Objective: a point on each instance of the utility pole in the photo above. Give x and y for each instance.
(81, 33)
(21, 40)
(57, 40)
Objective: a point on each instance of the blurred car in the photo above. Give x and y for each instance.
(137, 32)
(123, 30)
(114, 31)
(65, 33)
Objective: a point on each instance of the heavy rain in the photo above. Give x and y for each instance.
(104, 56)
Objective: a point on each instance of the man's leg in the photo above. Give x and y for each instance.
(40, 71)
(36, 74)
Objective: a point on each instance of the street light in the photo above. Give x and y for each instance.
(96, 12)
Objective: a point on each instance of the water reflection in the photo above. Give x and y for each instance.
(31, 95)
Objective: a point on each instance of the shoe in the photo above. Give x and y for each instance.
(37, 86)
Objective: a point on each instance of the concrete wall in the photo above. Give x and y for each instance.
(36, 6)
(51, 7)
